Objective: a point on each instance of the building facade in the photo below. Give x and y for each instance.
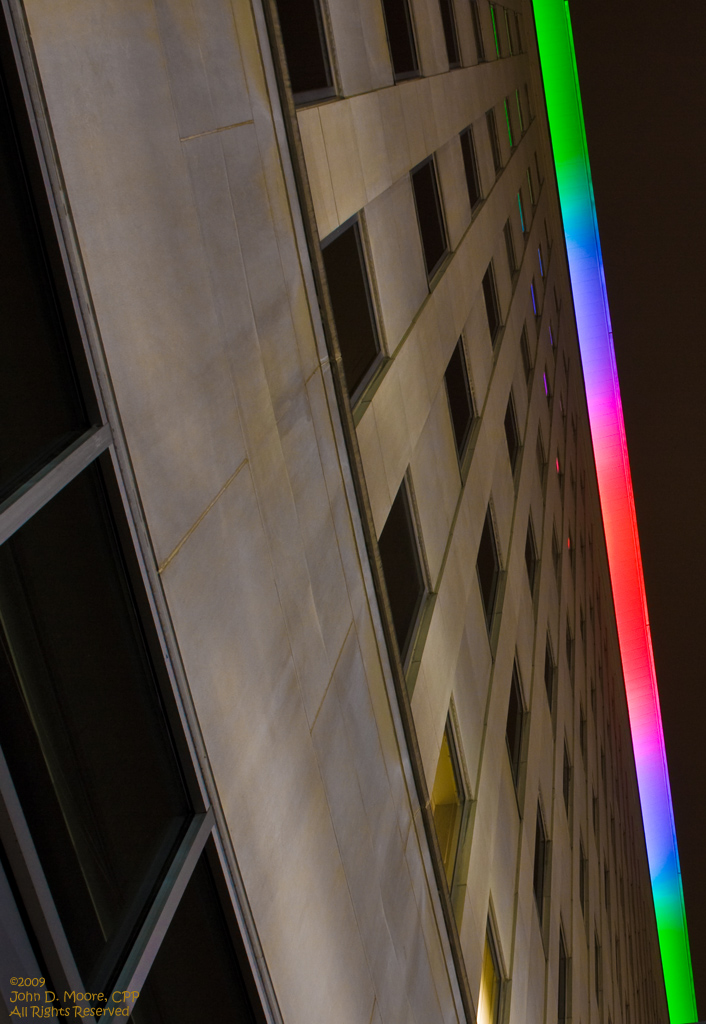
(312, 702)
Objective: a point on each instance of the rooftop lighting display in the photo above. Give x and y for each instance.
(568, 135)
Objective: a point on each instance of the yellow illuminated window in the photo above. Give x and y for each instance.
(446, 804)
(489, 997)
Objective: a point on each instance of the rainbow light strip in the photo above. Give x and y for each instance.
(558, 60)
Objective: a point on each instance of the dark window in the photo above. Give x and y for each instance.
(530, 187)
(549, 670)
(583, 876)
(597, 966)
(470, 165)
(526, 358)
(569, 645)
(400, 37)
(477, 30)
(352, 306)
(510, 248)
(494, 141)
(521, 209)
(512, 435)
(459, 395)
(594, 813)
(556, 554)
(76, 678)
(528, 102)
(491, 303)
(305, 49)
(449, 22)
(541, 261)
(541, 457)
(429, 215)
(547, 388)
(488, 568)
(606, 886)
(582, 734)
(402, 569)
(510, 40)
(563, 978)
(513, 728)
(540, 858)
(42, 411)
(520, 114)
(530, 555)
(197, 973)
(566, 779)
(508, 122)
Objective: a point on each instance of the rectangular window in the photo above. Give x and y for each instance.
(400, 38)
(521, 209)
(470, 166)
(562, 1000)
(569, 645)
(352, 306)
(306, 51)
(494, 141)
(533, 298)
(549, 670)
(508, 122)
(477, 31)
(508, 29)
(448, 21)
(547, 388)
(525, 353)
(520, 115)
(556, 554)
(566, 779)
(540, 859)
(491, 303)
(530, 188)
(512, 434)
(513, 727)
(447, 798)
(402, 570)
(488, 568)
(541, 261)
(530, 555)
(460, 400)
(429, 215)
(489, 996)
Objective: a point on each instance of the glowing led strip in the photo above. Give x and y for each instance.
(561, 87)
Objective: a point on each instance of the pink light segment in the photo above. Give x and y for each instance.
(615, 485)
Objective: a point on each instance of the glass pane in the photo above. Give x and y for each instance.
(399, 34)
(446, 805)
(196, 975)
(81, 722)
(431, 224)
(40, 407)
(403, 574)
(456, 378)
(352, 307)
(304, 46)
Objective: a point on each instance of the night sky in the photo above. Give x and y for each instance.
(643, 83)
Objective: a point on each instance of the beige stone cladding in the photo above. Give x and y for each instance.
(359, 150)
(192, 224)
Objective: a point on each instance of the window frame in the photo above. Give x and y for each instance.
(356, 225)
(471, 168)
(492, 304)
(406, 649)
(539, 872)
(308, 97)
(462, 448)
(531, 562)
(451, 39)
(514, 743)
(489, 610)
(415, 72)
(496, 152)
(432, 271)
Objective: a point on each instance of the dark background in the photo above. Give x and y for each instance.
(642, 70)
